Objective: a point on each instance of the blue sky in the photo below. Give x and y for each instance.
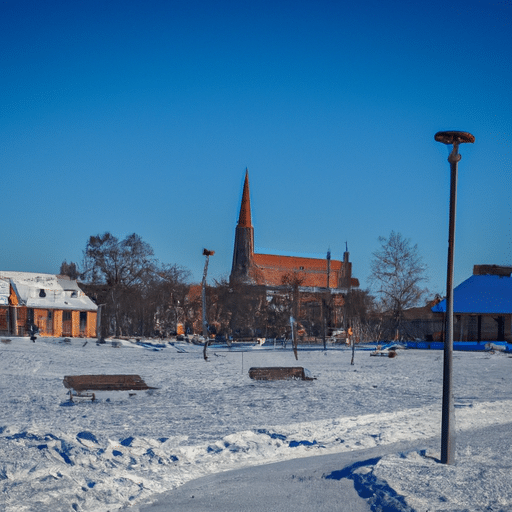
(141, 116)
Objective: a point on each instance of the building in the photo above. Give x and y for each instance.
(55, 304)
(320, 281)
(482, 305)
(421, 323)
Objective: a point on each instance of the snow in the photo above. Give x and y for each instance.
(59, 292)
(376, 426)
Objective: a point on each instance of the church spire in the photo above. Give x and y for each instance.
(243, 250)
(244, 220)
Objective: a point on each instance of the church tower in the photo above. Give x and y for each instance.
(345, 280)
(243, 251)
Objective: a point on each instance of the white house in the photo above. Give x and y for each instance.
(55, 304)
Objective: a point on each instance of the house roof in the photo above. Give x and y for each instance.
(45, 291)
(481, 294)
(4, 292)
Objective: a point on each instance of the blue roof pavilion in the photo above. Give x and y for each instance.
(482, 305)
(486, 294)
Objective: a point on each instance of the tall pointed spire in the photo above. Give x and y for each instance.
(244, 220)
(243, 250)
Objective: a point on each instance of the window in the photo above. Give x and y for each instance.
(42, 293)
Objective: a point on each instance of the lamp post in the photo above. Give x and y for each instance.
(325, 300)
(448, 411)
(206, 253)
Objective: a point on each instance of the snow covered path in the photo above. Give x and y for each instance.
(399, 477)
(208, 417)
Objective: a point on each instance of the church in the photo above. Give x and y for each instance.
(322, 283)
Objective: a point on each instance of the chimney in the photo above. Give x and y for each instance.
(492, 270)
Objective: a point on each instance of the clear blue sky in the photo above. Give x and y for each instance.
(141, 116)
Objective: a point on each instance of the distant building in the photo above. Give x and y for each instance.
(421, 323)
(274, 270)
(482, 305)
(315, 277)
(55, 304)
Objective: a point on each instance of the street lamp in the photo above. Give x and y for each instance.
(206, 253)
(448, 412)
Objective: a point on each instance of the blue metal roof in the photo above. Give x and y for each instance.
(487, 294)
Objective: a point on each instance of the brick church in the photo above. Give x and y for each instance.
(315, 277)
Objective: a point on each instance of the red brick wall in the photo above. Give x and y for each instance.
(312, 272)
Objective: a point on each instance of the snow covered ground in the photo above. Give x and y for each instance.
(123, 451)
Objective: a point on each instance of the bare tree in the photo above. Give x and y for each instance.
(220, 305)
(359, 305)
(169, 295)
(360, 315)
(247, 309)
(397, 274)
(122, 271)
(294, 280)
(69, 269)
(277, 315)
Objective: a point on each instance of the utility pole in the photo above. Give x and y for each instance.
(448, 411)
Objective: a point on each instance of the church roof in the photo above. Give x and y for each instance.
(296, 262)
(311, 271)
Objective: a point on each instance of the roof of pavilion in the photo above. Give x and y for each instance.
(481, 294)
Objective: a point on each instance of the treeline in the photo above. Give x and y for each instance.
(136, 295)
(139, 296)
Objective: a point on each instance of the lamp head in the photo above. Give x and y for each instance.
(454, 137)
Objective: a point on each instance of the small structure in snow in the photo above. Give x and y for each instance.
(82, 383)
(387, 351)
(280, 373)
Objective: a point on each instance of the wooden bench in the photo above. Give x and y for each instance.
(83, 383)
(279, 373)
